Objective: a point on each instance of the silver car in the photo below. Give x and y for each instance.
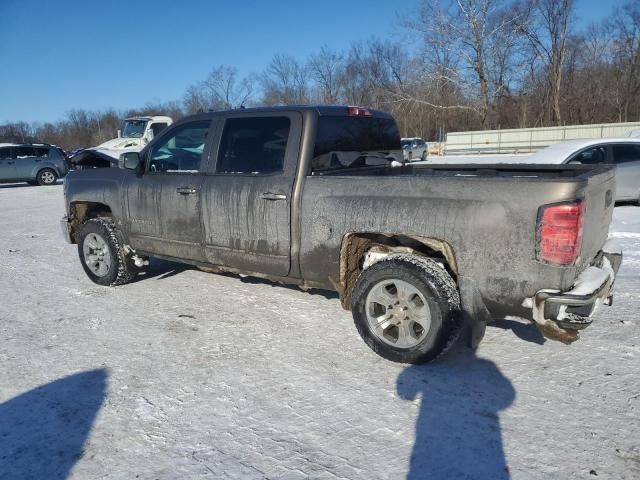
(36, 164)
(414, 149)
(624, 153)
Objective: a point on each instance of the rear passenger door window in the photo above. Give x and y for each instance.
(626, 153)
(24, 152)
(180, 150)
(253, 145)
(26, 161)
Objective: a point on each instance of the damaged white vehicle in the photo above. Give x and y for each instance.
(136, 133)
(134, 136)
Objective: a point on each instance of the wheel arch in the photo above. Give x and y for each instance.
(81, 211)
(46, 166)
(356, 245)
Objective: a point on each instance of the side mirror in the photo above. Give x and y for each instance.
(131, 161)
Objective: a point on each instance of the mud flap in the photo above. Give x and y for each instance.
(476, 334)
(476, 315)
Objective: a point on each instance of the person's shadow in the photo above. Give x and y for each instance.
(43, 431)
(458, 429)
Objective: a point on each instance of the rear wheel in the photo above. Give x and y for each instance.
(406, 308)
(102, 253)
(46, 176)
(424, 155)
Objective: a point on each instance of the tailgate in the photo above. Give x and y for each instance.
(599, 195)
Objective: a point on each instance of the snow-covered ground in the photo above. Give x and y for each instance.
(185, 374)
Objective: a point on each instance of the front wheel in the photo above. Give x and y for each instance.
(424, 155)
(102, 253)
(46, 176)
(406, 308)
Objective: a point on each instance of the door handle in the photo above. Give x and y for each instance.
(186, 190)
(273, 196)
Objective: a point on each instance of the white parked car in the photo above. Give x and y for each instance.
(414, 149)
(624, 153)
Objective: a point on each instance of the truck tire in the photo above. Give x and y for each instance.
(102, 253)
(407, 308)
(46, 176)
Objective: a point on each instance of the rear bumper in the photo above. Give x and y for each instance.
(559, 315)
(66, 229)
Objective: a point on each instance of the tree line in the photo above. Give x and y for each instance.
(459, 65)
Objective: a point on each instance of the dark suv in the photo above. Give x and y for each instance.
(34, 163)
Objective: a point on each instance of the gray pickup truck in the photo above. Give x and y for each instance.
(318, 197)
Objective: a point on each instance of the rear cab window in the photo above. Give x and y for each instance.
(345, 142)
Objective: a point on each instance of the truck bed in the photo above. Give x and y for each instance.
(486, 213)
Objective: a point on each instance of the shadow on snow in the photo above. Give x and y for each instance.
(458, 429)
(43, 431)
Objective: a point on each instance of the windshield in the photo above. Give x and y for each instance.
(134, 128)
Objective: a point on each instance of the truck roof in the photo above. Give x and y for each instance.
(149, 117)
(26, 144)
(322, 110)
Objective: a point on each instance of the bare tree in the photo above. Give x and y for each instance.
(326, 69)
(285, 82)
(469, 44)
(625, 30)
(548, 30)
(17, 132)
(221, 90)
(483, 63)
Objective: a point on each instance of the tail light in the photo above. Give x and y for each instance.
(560, 232)
(358, 112)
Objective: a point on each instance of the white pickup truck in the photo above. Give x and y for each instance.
(136, 133)
(134, 136)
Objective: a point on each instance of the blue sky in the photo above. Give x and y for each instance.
(64, 54)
